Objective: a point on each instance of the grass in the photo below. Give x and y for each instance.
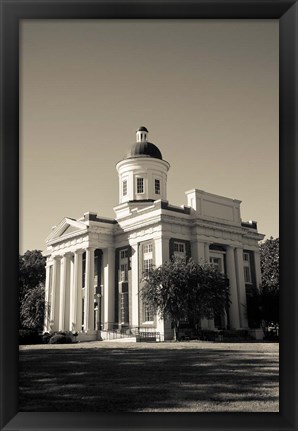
(140, 377)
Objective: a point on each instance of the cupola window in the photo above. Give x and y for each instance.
(124, 188)
(140, 185)
(157, 187)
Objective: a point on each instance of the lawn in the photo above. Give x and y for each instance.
(142, 377)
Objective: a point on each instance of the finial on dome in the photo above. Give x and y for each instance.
(141, 134)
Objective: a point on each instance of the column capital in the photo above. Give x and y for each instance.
(57, 257)
(90, 248)
(68, 254)
(79, 251)
(230, 247)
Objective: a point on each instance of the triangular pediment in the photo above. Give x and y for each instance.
(66, 227)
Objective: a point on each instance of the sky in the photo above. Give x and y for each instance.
(207, 91)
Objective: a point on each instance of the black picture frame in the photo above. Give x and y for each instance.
(286, 11)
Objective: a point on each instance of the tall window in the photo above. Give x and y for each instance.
(123, 265)
(124, 307)
(83, 269)
(157, 187)
(147, 265)
(148, 313)
(140, 185)
(246, 268)
(124, 187)
(147, 257)
(123, 292)
(179, 249)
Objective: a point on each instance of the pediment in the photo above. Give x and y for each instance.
(66, 227)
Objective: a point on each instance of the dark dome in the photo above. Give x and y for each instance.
(144, 149)
(142, 129)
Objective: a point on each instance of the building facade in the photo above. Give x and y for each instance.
(95, 264)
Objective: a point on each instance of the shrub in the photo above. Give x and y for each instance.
(46, 337)
(29, 336)
(60, 339)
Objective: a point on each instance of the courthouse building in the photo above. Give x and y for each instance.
(95, 264)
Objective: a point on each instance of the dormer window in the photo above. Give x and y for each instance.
(140, 185)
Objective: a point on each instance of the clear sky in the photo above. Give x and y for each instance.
(207, 90)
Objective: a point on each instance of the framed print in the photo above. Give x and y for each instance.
(215, 85)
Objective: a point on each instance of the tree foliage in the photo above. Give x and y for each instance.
(31, 270)
(31, 289)
(183, 289)
(269, 251)
(269, 292)
(32, 308)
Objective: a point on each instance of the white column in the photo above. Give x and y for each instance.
(47, 299)
(54, 310)
(241, 287)
(64, 286)
(89, 291)
(210, 323)
(75, 323)
(162, 253)
(69, 274)
(206, 252)
(135, 284)
(201, 251)
(197, 250)
(109, 287)
(231, 273)
(257, 258)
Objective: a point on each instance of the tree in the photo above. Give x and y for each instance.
(31, 271)
(263, 303)
(269, 291)
(183, 289)
(32, 310)
(31, 288)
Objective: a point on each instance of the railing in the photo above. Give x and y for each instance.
(140, 333)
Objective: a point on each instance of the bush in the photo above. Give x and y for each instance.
(29, 336)
(207, 335)
(60, 339)
(46, 338)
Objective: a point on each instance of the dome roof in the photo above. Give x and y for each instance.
(142, 129)
(144, 149)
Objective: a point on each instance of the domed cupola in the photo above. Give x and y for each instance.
(143, 172)
(143, 148)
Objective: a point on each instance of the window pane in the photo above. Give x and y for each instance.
(179, 249)
(157, 187)
(124, 272)
(148, 248)
(148, 313)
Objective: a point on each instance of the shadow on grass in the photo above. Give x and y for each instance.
(131, 380)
